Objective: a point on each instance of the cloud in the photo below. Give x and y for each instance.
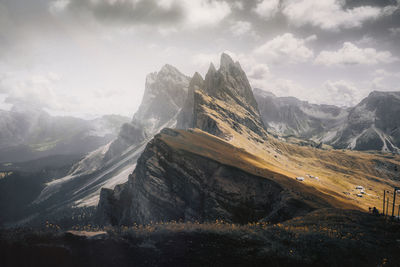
(286, 48)
(58, 6)
(36, 90)
(341, 93)
(332, 14)
(237, 5)
(202, 60)
(281, 87)
(350, 54)
(241, 27)
(193, 14)
(385, 73)
(204, 12)
(121, 11)
(258, 72)
(267, 8)
(394, 31)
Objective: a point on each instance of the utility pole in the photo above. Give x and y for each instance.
(394, 199)
(384, 198)
(387, 206)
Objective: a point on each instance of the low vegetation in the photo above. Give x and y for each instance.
(327, 237)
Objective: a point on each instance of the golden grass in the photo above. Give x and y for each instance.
(338, 171)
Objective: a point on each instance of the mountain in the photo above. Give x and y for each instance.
(194, 176)
(223, 164)
(163, 98)
(197, 176)
(290, 116)
(223, 104)
(370, 125)
(31, 133)
(111, 164)
(373, 124)
(213, 164)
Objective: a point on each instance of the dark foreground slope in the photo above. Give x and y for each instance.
(326, 237)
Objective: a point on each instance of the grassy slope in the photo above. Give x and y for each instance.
(338, 171)
(209, 146)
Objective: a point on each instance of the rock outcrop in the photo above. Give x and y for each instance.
(373, 124)
(163, 98)
(185, 117)
(224, 103)
(193, 176)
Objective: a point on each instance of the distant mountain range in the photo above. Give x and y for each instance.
(31, 133)
(373, 124)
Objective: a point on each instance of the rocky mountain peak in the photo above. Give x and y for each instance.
(164, 96)
(230, 84)
(185, 117)
(226, 61)
(263, 93)
(224, 104)
(210, 75)
(197, 80)
(165, 93)
(170, 70)
(395, 94)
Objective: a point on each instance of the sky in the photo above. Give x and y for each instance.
(90, 57)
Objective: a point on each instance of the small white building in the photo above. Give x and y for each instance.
(359, 187)
(301, 179)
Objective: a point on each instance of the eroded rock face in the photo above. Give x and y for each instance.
(223, 103)
(373, 124)
(174, 184)
(185, 117)
(164, 96)
(289, 116)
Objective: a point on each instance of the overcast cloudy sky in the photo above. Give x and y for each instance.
(90, 57)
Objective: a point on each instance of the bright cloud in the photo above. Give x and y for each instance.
(267, 8)
(241, 27)
(350, 54)
(341, 93)
(285, 48)
(331, 14)
(201, 13)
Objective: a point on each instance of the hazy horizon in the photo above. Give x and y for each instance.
(90, 58)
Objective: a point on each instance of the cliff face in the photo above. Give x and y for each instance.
(289, 116)
(373, 124)
(163, 98)
(185, 116)
(223, 104)
(370, 125)
(189, 176)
